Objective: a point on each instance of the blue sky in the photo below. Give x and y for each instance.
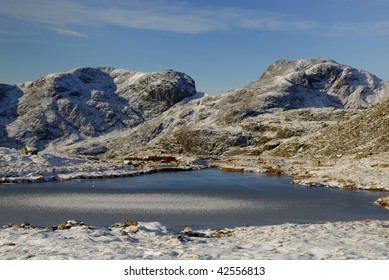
(221, 44)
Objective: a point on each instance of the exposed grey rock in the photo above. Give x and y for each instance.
(92, 150)
(9, 98)
(87, 102)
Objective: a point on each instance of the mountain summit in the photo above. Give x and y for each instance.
(86, 102)
(311, 83)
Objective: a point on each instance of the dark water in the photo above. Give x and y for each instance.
(199, 199)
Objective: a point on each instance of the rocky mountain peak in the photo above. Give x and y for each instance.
(89, 102)
(285, 67)
(317, 82)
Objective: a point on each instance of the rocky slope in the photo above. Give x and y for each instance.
(361, 136)
(9, 96)
(112, 113)
(290, 100)
(86, 102)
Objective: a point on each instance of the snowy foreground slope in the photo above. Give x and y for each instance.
(347, 240)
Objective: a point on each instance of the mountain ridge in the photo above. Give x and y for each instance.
(112, 112)
(88, 102)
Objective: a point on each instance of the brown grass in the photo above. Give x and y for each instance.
(129, 223)
(154, 158)
(222, 233)
(383, 201)
(273, 170)
(231, 169)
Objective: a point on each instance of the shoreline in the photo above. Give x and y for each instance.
(346, 172)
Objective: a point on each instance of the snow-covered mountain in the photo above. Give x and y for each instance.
(313, 83)
(109, 112)
(86, 102)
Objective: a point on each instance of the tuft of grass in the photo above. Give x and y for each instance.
(129, 223)
(222, 233)
(347, 184)
(273, 170)
(63, 226)
(383, 201)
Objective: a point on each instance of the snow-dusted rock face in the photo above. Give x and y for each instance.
(152, 93)
(313, 83)
(325, 83)
(96, 111)
(87, 102)
(9, 96)
(290, 100)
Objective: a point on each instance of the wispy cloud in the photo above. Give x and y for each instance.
(381, 27)
(363, 29)
(276, 23)
(173, 16)
(68, 32)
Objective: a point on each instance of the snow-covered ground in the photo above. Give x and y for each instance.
(343, 240)
(345, 172)
(369, 173)
(15, 168)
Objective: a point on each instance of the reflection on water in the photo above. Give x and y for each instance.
(200, 199)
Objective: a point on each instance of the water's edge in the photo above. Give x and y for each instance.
(207, 198)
